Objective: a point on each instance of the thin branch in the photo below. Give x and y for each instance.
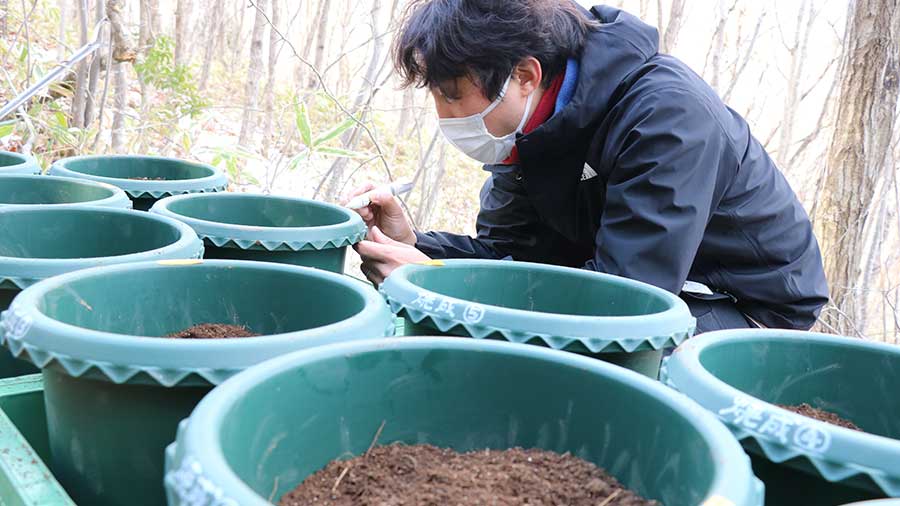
(821, 77)
(347, 469)
(18, 32)
(354, 171)
(781, 31)
(109, 65)
(32, 133)
(844, 316)
(27, 48)
(804, 144)
(330, 95)
(359, 46)
(375, 439)
(747, 56)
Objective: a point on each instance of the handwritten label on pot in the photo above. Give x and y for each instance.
(717, 500)
(754, 416)
(443, 308)
(16, 323)
(181, 261)
(195, 489)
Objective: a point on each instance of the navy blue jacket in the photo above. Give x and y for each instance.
(683, 191)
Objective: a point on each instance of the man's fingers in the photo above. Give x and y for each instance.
(366, 214)
(376, 235)
(385, 201)
(372, 274)
(371, 250)
(359, 190)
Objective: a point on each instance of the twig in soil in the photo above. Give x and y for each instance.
(375, 439)
(610, 498)
(347, 469)
(341, 477)
(274, 489)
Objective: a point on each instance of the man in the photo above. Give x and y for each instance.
(603, 154)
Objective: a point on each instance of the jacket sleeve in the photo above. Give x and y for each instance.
(661, 191)
(506, 225)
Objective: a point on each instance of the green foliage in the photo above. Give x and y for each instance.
(314, 145)
(7, 127)
(232, 160)
(158, 69)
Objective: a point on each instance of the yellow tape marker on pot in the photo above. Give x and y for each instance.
(432, 263)
(717, 500)
(185, 261)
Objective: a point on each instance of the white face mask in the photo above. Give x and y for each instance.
(471, 136)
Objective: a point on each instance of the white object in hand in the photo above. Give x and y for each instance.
(365, 199)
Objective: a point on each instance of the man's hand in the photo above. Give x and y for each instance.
(381, 255)
(384, 212)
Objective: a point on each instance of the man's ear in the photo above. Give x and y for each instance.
(529, 74)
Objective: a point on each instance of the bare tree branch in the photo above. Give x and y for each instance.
(735, 77)
(327, 92)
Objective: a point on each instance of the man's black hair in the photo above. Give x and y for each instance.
(442, 40)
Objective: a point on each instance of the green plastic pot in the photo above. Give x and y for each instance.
(145, 179)
(25, 479)
(618, 320)
(741, 375)
(34, 190)
(115, 391)
(37, 242)
(17, 163)
(264, 431)
(287, 230)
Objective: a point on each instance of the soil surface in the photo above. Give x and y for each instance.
(213, 331)
(821, 415)
(401, 475)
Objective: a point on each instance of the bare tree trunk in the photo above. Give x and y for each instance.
(274, 40)
(344, 83)
(429, 201)
(237, 43)
(199, 28)
(61, 33)
(120, 102)
(718, 47)
(182, 20)
(122, 55)
(94, 75)
(81, 74)
(669, 36)
(366, 93)
(856, 156)
(211, 44)
(144, 27)
(320, 40)
(149, 28)
(874, 237)
(420, 178)
(300, 71)
(221, 42)
(251, 89)
(645, 7)
(406, 111)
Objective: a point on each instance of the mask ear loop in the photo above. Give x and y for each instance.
(497, 100)
(525, 114)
